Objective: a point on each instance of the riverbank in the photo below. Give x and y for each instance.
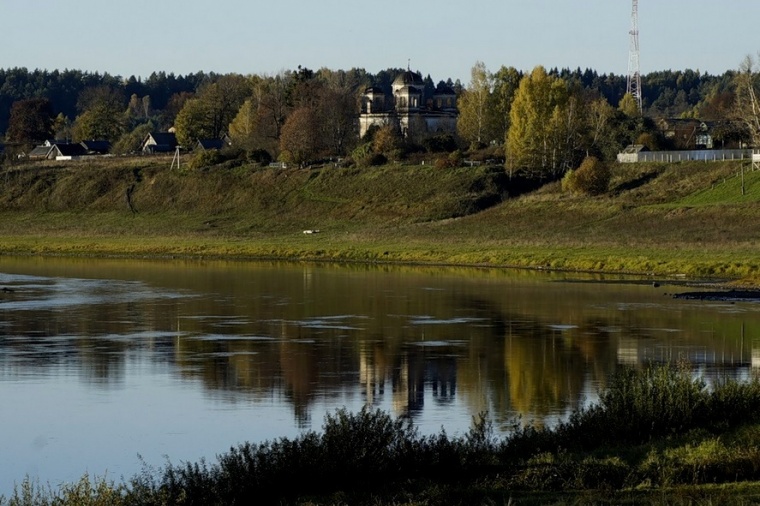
(685, 220)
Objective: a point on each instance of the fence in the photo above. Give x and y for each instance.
(701, 155)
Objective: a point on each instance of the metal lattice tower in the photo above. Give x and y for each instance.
(634, 73)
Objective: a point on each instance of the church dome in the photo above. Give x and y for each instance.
(409, 78)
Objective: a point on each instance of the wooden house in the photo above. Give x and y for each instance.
(94, 147)
(65, 151)
(159, 142)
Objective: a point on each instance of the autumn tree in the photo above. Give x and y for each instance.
(209, 114)
(506, 81)
(477, 122)
(299, 137)
(387, 141)
(244, 129)
(629, 106)
(544, 125)
(31, 121)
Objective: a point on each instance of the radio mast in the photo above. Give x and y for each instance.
(634, 73)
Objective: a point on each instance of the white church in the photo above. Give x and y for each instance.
(407, 108)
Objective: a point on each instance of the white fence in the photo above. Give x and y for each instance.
(702, 155)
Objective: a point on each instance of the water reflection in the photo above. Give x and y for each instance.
(436, 345)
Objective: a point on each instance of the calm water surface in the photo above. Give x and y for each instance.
(106, 366)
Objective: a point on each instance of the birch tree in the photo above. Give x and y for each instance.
(747, 94)
(535, 117)
(476, 112)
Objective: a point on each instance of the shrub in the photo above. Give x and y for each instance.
(205, 158)
(261, 156)
(568, 181)
(591, 178)
(440, 143)
(365, 156)
(454, 159)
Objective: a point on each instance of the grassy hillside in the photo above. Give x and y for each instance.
(685, 218)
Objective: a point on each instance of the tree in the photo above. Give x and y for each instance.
(31, 121)
(131, 142)
(544, 125)
(244, 129)
(747, 110)
(476, 123)
(629, 106)
(600, 139)
(209, 114)
(101, 114)
(387, 141)
(193, 122)
(298, 140)
(506, 81)
(337, 109)
(273, 95)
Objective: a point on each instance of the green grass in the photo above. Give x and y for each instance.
(678, 219)
(728, 191)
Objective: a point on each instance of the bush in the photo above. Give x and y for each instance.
(365, 156)
(205, 158)
(454, 159)
(261, 156)
(591, 178)
(440, 143)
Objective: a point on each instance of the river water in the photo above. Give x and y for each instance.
(107, 366)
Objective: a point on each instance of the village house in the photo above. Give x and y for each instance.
(408, 109)
(62, 150)
(213, 144)
(684, 133)
(159, 142)
(94, 147)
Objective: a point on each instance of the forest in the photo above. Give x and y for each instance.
(303, 115)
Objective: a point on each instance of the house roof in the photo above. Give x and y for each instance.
(207, 144)
(634, 148)
(69, 149)
(163, 138)
(40, 151)
(101, 147)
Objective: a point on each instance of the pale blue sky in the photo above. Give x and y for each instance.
(442, 38)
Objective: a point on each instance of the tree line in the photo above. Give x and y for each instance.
(545, 120)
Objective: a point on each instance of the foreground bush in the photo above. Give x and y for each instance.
(655, 427)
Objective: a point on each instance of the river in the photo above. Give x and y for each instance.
(111, 366)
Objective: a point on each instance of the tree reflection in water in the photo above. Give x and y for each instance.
(404, 339)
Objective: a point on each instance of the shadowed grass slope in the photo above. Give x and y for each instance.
(685, 218)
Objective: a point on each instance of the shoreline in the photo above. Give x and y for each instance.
(724, 288)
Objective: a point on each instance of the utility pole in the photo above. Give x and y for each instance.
(634, 72)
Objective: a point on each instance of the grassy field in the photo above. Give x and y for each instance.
(679, 219)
